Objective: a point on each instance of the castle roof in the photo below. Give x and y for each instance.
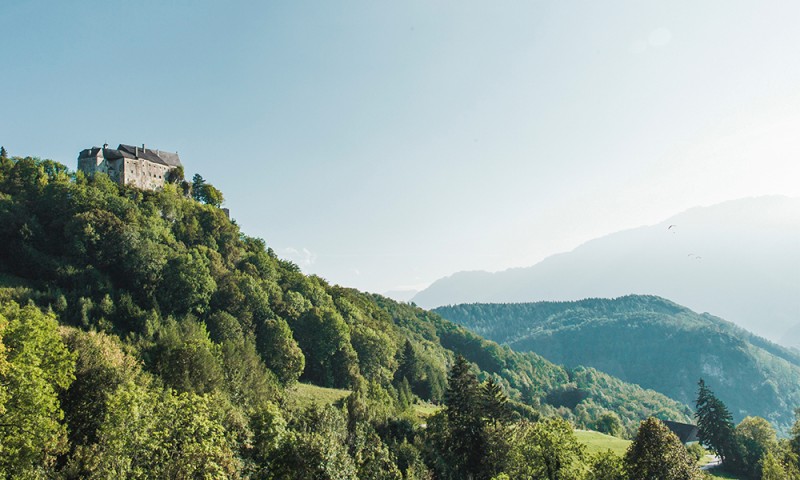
(89, 152)
(156, 156)
(128, 151)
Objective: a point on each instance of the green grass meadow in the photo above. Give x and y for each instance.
(712, 474)
(303, 395)
(600, 442)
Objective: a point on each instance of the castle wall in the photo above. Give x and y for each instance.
(91, 165)
(143, 174)
(114, 169)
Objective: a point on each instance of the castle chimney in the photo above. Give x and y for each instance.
(105, 145)
(136, 151)
(144, 150)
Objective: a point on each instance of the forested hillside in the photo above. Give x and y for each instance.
(652, 342)
(144, 335)
(738, 259)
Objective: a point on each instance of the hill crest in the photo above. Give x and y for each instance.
(652, 342)
(737, 260)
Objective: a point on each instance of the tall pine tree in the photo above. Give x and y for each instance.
(715, 424)
(408, 365)
(467, 439)
(495, 403)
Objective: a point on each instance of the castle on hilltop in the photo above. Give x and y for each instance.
(141, 167)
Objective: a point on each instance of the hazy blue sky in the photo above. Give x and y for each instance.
(383, 145)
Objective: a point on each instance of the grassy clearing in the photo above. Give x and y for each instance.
(714, 473)
(706, 460)
(425, 410)
(303, 395)
(600, 442)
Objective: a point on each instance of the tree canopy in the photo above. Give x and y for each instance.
(657, 453)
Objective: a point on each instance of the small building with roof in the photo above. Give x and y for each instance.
(686, 432)
(142, 167)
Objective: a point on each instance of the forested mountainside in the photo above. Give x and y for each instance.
(652, 342)
(738, 260)
(144, 335)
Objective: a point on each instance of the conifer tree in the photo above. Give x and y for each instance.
(408, 365)
(495, 402)
(715, 424)
(467, 442)
(404, 396)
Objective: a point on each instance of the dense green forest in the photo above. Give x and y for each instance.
(652, 342)
(145, 336)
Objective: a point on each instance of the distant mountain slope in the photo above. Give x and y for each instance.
(584, 391)
(652, 342)
(739, 260)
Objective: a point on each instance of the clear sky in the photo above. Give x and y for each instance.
(383, 145)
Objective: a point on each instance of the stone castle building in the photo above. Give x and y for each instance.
(141, 167)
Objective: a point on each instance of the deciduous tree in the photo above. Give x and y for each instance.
(204, 192)
(657, 453)
(754, 438)
(607, 466)
(36, 369)
(547, 449)
(152, 434)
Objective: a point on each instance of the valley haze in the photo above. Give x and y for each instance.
(738, 260)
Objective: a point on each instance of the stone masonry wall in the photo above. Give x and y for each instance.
(143, 174)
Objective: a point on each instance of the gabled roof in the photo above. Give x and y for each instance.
(89, 152)
(111, 154)
(155, 156)
(170, 158)
(108, 153)
(128, 151)
(686, 432)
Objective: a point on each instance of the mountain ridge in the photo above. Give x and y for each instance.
(650, 341)
(737, 259)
